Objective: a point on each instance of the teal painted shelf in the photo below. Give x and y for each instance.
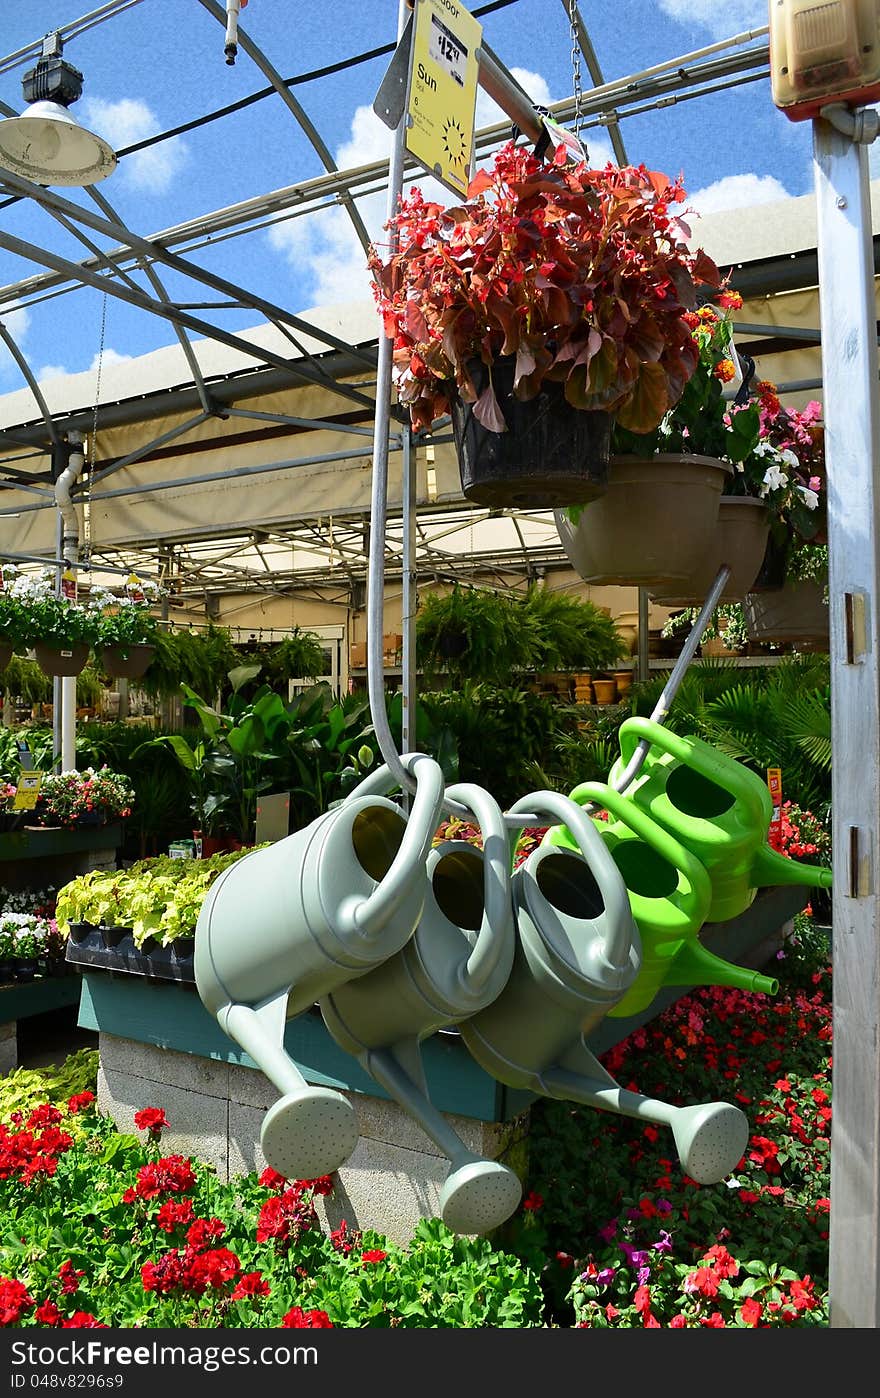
(20, 1001)
(174, 1018)
(39, 842)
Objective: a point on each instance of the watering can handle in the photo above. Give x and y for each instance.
(640, 823)
(592, 847)
(368, 917)
(497, 922)
(702, 758)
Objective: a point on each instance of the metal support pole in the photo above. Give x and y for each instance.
(643, 669)
(852, 453)
(408, 678)
(56, 682)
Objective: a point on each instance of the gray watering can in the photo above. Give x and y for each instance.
(289, 923)
(456, 964)
(578, 952)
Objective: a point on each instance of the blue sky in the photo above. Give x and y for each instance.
(160, 63)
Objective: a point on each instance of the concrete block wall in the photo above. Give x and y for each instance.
(215, 1111)
(8, 1047)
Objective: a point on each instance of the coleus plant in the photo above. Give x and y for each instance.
(583, 275)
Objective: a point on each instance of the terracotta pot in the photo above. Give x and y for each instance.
(740, 541)
(650, 527)
(127, 662)
(551, 454)
(605, 691)
(796, 613)
(52, 660)
(715, 646)
(623, 679)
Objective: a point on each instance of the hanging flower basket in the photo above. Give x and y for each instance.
(126, 662)
(797, 614)
(63, 661)
(740, 541)
(548, 454)
(650, 527)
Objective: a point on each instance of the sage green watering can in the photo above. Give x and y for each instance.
(456, 963)
(578, 952)
(289, 923)
(717, 808)
(670, 894)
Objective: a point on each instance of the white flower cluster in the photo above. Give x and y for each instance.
(23, 936)
(26, 900)
(138, 592)
(778, 473)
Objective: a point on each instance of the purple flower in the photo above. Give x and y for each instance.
(664, 1242)
(643, 1276)
(608, 1232)
(663, 1206)
(636, 1257)
(605, 1277)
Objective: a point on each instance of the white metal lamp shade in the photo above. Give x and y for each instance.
(47, 145)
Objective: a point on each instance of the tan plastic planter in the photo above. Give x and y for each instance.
(796, 613)
(740, 541)
(650, 527)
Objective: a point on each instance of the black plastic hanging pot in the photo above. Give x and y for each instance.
(551, 454)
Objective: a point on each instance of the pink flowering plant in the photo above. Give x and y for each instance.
(95, 796)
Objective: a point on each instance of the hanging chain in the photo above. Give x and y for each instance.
(90, 459)
(575, 66)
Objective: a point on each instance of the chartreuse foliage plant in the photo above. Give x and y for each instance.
(102, 1229)
(26, 1088)
(158, 898)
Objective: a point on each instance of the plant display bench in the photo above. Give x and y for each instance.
(40, 856)
(159, 1047)
(30, 998)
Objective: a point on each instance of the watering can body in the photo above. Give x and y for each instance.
(457, 962)
(670, 893)
(287, 924)
(577, 952)
(579, 956)
(717, 808)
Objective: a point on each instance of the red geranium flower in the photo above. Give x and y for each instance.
(69, 1278)
(152, 1120)
(298, 1319)
(251, 1284)
(79, 1101)
(373, 1255)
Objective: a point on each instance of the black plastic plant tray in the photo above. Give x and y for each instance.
(88, 949)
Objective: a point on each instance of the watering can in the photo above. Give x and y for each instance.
(717, 808)
(456, 963)
(670, 894)
(578, 952)
(289, 923)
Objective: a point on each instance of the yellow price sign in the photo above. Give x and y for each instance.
(442, 93)
(27, 791)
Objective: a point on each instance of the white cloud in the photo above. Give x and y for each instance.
(17, 320)
(322, 248)
(736, 192)
(124, 123)
(722, 21)
(58, 371)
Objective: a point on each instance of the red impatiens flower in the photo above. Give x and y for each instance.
(69, 1278)
(298, 1319)
(704, 1281)
(533, 1202)
(373, 1255)
(724, 1264)
(79, 1101)
(750, 1312)
(152, 1120)
(250, 1285)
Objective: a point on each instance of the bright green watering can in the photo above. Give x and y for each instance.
(289, 923)
(578, 953)
(457, 962)
(716, 807)
(669, 893)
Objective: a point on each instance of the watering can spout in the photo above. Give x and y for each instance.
(696, 965)
(771, 868)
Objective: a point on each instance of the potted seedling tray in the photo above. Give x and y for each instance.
(113, 949)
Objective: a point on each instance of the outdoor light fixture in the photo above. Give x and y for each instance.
(46, 144)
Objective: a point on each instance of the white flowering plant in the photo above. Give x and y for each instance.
(125, 618)
(777, 453)
(42, 615)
